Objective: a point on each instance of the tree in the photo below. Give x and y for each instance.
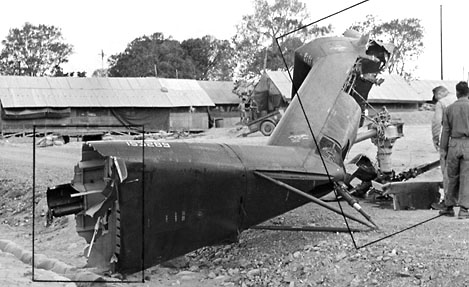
(212, 58)
(257, 33)
(152, 55)
(33, 51)
(57, 71)
(100, 73)
(368, 26)
(406, 35)
(272, 57)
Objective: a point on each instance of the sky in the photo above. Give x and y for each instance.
(92, 26)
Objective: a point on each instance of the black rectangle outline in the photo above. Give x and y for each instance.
(142, 207)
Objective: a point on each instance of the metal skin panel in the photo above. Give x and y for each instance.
(266, 158)
(186, 206)
(266, 200)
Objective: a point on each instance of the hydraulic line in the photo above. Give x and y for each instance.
(315, 200)
(341, 188)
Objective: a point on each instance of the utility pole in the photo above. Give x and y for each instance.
(441, 39)
(102, 59)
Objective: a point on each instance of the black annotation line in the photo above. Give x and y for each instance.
(323, 18)
(400, 231)
(295, 89)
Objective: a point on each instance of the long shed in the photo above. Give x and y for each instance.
(158, 104)
(424, 87)
(275, 89)
(395, 93)
(226, 108)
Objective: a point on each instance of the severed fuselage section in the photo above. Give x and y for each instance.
(182, 196)
(139, 203)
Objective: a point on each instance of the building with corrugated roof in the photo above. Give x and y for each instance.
(275, 89)
(158, 104)
(395, 93)
(424, 87)
(164, 104)
(226, 102)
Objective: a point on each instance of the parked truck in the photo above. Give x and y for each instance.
(265, 124)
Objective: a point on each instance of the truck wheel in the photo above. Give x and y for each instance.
(267, 127)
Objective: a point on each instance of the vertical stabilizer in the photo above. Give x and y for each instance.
(332, 77)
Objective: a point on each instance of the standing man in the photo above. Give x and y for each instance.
(242, 108)
(454, 148)
(443, 99)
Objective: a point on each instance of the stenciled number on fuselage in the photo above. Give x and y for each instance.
(148, 144)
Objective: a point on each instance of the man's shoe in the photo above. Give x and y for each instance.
(439, 206)
(447, 211)
(463, 213)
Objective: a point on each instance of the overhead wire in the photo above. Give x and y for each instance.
(321, 19)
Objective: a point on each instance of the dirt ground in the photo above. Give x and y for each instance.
(435, 253)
